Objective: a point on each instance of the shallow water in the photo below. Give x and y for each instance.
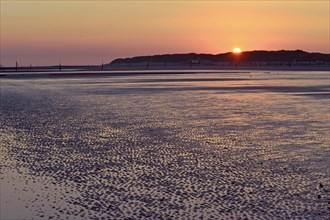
(214, 145)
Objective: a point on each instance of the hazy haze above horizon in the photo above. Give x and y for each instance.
(87, 32)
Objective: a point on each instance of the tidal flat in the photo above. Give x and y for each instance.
(199, 145)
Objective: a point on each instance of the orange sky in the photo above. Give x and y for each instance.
(87, 32)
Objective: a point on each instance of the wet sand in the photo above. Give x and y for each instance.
(214, 146)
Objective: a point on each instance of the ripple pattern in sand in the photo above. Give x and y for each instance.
(91, 152)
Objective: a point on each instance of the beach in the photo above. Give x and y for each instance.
(193, 144)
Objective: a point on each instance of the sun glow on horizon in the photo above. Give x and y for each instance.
(237, 50)
(87, 32)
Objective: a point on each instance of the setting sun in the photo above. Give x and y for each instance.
(237, 50)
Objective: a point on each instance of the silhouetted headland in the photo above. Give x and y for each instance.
(249, 60)
(249, 57)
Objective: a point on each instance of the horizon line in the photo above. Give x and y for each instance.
(174, 53)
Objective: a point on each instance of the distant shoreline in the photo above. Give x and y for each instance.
(240, 68)
(109, 70)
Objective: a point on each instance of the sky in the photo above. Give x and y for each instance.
(88, 32)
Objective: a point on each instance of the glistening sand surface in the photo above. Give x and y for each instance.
(178, 146)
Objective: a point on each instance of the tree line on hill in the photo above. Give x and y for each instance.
(281, 56)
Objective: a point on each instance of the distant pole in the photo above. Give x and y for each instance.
(16, 67)
(60, 66)
(102, 65)
(148, 65)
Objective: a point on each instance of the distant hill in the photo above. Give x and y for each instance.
(248, 56)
